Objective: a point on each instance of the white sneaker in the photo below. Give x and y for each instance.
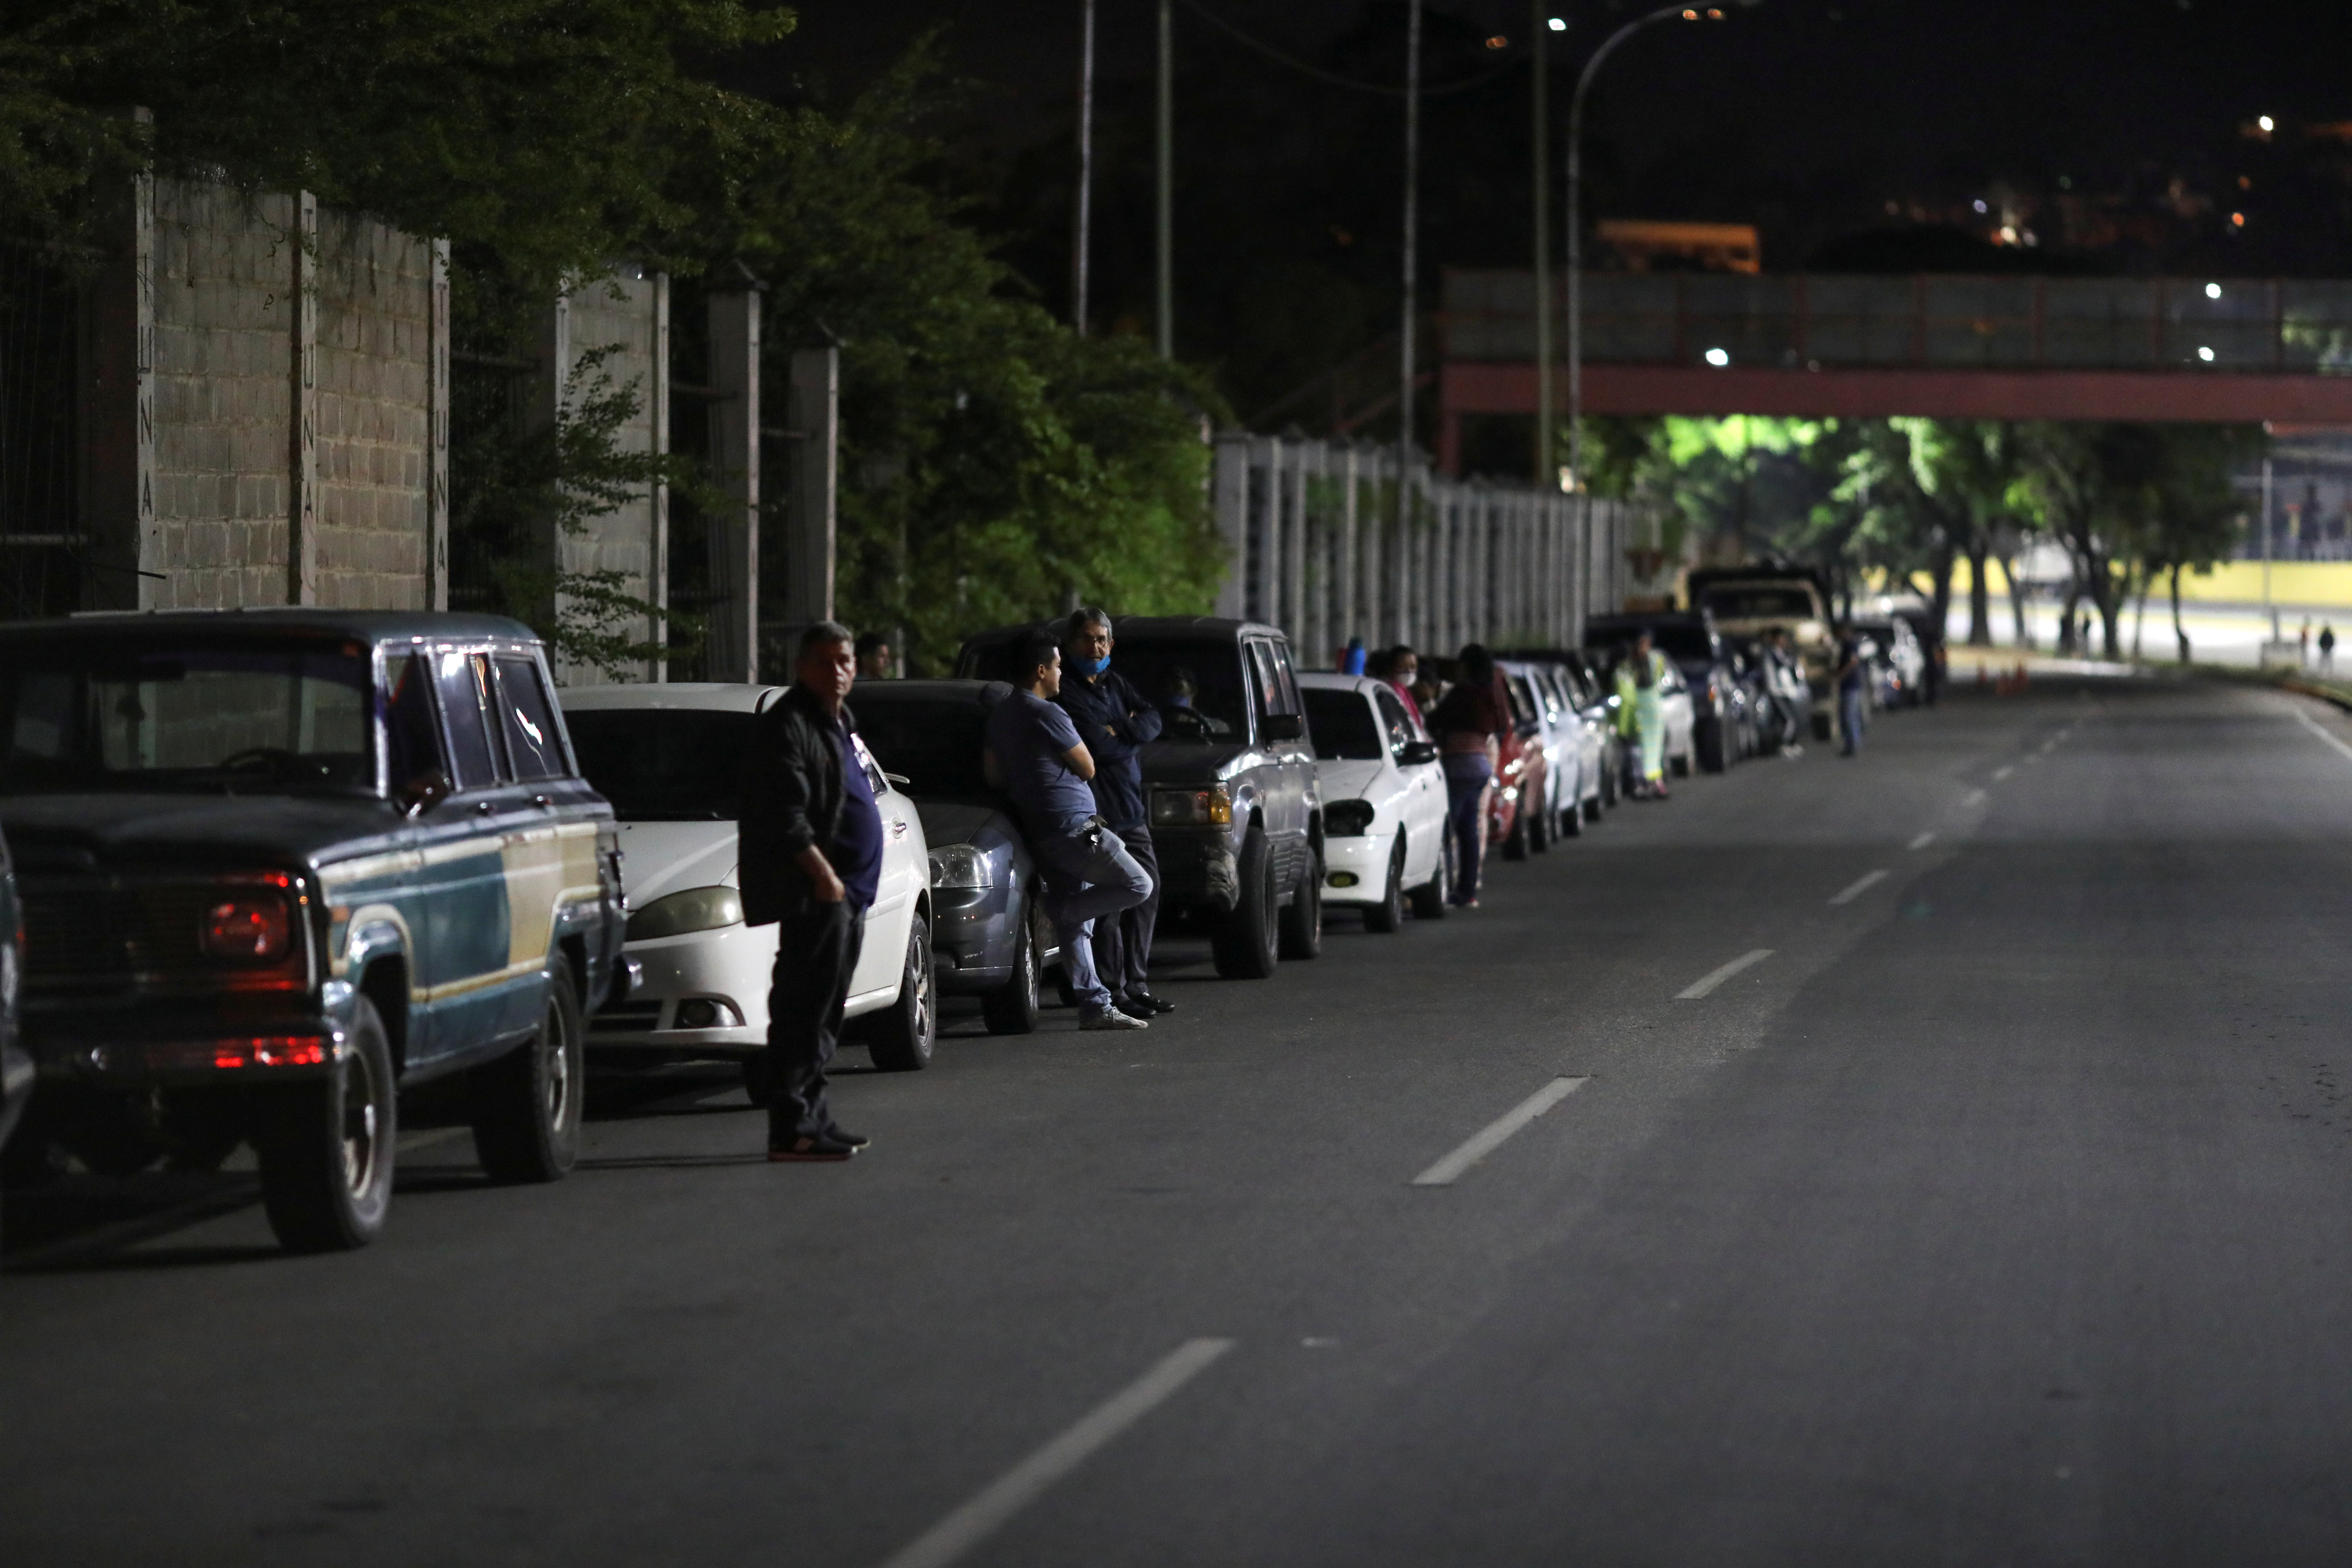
(1111, 1018)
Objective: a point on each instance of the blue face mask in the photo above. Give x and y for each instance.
(1090, 668)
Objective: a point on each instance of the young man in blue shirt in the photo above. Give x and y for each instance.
(1037, 754)
(1116, 721)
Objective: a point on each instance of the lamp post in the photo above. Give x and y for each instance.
(1082, 217)
(1575, 212)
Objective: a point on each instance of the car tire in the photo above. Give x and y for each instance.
(526, 1104)
(901, 1037)
(1012, 1007)
(1515, 847)
(1302, 921)
(1539, 825)
(1680, 765)
(1612, 764)
(1571, 820)
(1712, 745)
(1244, 945)
(1433, 898)
(326, 1145)
(1389, 914)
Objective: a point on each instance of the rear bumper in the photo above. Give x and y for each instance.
(155, 1045)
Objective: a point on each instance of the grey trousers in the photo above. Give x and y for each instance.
(1088, 875)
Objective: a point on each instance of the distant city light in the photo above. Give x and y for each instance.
(1690, 15)
(1556, 25)
(1718, 358)
(2237, 220)
(1980, 206)
(2266, 123)
(2008, 235)
(2212, 290)
(1498, 42)
(2205, 355)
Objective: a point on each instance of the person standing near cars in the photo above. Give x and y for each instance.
(811, 852)
(1852, 669)
(1468, 723)
(1116, 722)
(1403, 670)
(873, 657)
(1036, 754)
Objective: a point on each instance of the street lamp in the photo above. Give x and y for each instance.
(1576, 214)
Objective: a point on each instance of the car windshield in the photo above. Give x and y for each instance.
(133, 713)
(662, 764)
(1343, 726)
(933, 742)
(1749, 602)
(1196, 683)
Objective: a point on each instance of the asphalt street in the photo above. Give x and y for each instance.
(1992, 1211)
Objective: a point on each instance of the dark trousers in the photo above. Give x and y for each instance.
(1123, 940)
(1468, 774)
(815, 954)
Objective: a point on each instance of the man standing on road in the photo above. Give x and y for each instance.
(2327, 647)
(1034, 752)
(873, 657)
(1116, 722)
(1850, 676)
(811, 848)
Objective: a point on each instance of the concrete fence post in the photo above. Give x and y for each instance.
(734, 639)
(302, 426)
(657, 382)
(1229, 488)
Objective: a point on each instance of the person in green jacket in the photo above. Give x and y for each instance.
(1645, 671)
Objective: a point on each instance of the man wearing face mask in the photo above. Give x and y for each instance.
(1116, 722)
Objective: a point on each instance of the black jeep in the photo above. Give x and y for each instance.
(277, 865)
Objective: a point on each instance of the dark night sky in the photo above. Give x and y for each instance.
(2024, 85)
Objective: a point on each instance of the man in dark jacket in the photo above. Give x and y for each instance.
(811, 848)
(1116, 721)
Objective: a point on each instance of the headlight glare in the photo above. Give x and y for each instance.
(696, 909)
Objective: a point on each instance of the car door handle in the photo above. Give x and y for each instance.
(897, 829)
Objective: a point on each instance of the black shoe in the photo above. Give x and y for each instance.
(824, 1146)
(1144, 1005)
(841, 1135)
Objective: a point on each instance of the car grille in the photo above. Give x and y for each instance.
(87, 933)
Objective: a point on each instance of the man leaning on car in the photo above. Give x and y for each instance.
(810, 842)
(1116, 721)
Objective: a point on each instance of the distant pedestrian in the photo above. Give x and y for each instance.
(2327, 647)
(1035, 753)
(811, 857)
(874, 656)
(1403, 670)
(1852, 672)
(1627, 718)
(1352, 660)
(1468, 724)
(1117, 721)
(1649, 678)
(2303, 645)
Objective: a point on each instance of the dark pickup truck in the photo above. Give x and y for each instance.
(1236, 816)
(276, 866)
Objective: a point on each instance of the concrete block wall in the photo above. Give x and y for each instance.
(222, 367)
(374, 415)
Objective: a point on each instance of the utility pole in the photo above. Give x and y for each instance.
(1164, 270)
(1082, 220)
(1411, 250)
(2269, 609)
(1546, 470)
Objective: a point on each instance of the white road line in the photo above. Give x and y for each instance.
(1860, 885)
(1700, 987)
(1922, 842)
(1975, 797)
(2001, 774)
(1025, 1482)
(1496, 1133)
(2314, 725)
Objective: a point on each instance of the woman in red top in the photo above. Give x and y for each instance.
(1468, 724)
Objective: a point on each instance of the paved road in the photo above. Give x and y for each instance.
(1999, 1215)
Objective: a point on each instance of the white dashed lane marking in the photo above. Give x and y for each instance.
(1705, 984)
(1858, 887)
(1497, 1133)
(1922, 841)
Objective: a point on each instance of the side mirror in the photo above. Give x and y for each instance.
(1284, 727)
(1417, 753)
(421, 794)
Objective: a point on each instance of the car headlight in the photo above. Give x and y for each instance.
(959, 866)
(1347, 818)
(1210, 807)
(696, 908)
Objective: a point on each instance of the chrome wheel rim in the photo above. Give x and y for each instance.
(363, 1145)
(558, 1067)
(922, 980)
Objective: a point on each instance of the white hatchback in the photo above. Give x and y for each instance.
(1383, 793)
(668, 758)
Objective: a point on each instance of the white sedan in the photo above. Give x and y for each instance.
(667, 757)
(1383, 791)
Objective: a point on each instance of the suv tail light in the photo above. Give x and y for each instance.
(247, 928)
